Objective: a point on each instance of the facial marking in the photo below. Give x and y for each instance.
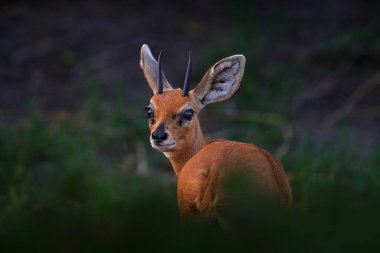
(170, 108)
(150, 113)
(185, 115)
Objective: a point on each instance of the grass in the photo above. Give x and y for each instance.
(68, 186)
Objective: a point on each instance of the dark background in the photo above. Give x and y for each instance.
(76, 169)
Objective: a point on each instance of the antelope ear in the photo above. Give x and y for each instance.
(221, 81)
(149, 66)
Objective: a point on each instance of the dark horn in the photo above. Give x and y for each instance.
(186, 84)
(160, 86)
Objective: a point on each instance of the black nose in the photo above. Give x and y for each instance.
(159, 134)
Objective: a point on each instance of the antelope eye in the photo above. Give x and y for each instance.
(188, 114)
(149, 114)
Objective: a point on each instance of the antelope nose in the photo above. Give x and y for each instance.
(159, 134)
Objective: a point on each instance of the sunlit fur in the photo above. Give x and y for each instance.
(202, 166)
(198, 164)
(187, 137)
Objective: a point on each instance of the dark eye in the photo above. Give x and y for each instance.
(149, 114)
(188, 114)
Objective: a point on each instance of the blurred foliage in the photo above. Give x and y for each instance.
(59, 192)
(71, 184)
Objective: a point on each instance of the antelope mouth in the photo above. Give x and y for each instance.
(165, 146)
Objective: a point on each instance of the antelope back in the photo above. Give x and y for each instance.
(257, 177)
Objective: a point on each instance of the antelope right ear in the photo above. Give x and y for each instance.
(150, 67)
(221, 81)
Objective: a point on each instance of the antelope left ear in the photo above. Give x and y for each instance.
(221, 81)
(150, 67)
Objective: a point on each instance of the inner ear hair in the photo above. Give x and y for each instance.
(221, 81)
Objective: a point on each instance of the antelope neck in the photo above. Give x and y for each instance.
(178, 159)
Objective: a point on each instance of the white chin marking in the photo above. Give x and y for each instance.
(169, 154)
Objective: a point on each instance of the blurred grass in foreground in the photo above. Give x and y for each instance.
(72, 186)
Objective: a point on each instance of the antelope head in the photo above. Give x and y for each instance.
(173, 113)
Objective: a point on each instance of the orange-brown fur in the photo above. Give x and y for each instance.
(198, 164)
(201, 167)
(198, 182)
(191, 139)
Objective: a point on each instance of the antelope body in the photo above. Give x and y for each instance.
(200, 166)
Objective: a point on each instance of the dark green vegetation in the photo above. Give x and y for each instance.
(86, 179)
(73, 185)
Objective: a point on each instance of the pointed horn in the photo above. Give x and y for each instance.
(186, 84)
(160, 86)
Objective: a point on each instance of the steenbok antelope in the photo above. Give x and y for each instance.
(201, 166)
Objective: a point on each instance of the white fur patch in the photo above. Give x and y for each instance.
(169, 154)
